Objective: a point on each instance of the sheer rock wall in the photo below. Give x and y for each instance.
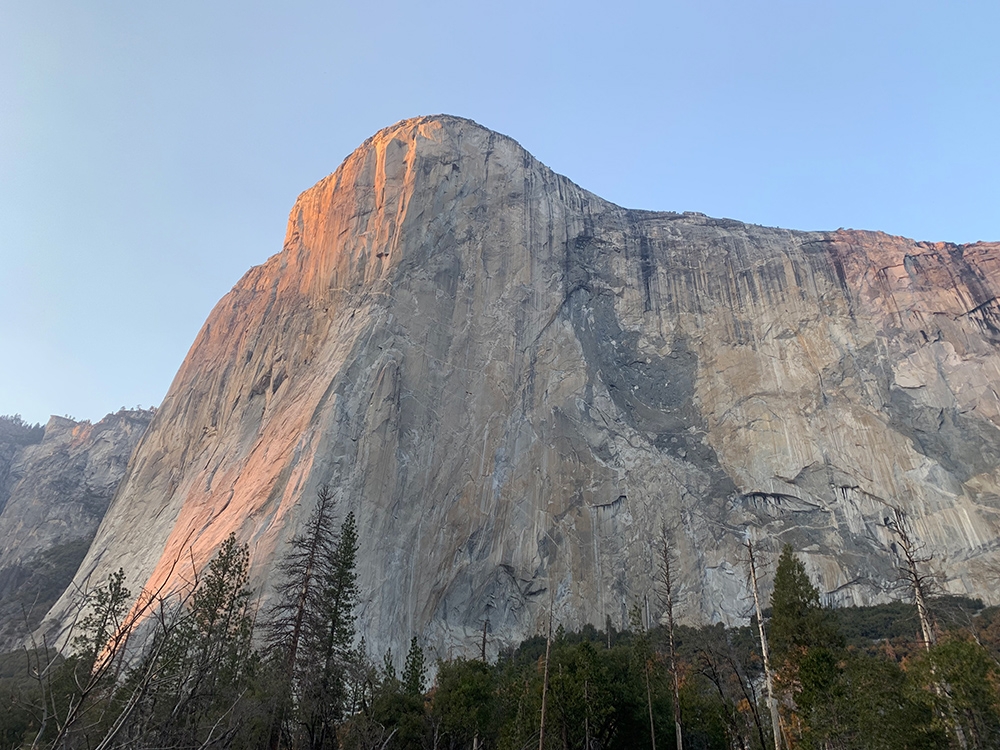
(53, 495)
(515, 385)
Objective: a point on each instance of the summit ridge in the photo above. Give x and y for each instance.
(514, 384)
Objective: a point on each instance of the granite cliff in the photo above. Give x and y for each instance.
(55, 486)
(514, 384)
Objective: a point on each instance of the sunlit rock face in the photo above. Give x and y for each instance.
(53, 494)
(515, 384)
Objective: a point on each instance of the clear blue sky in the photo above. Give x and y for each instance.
(150, 152)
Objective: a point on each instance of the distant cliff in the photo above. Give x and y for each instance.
(54, 490)
(515, 384)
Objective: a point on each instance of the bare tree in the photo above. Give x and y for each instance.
(667, 595)
(545, 681)
(71, 689)
(772, 702)
(910, 571)
(919, 583)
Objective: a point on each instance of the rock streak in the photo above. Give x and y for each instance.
(514, 383)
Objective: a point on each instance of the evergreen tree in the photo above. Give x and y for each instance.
(329, 640)
(963, 681)
(388, 668)
(465, 702)
(396, 719)
(804, 643)
(108, 607)
(76, 693)
(415, 670)
(212, 651)
(189, 686)
(798, 621)
(311, 630)
(581, 701)
(340, 595)
(876, 709)
(303, 569)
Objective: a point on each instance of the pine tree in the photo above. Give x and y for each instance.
(415, 670)
(340, 595)
(108, 607)
(311, 629)
(189, 685)
(398, 705)
(303, 570)
(329, 641)
(804, 644)
(388, 668)
(76, 694)
(214, 641)
(797, 619)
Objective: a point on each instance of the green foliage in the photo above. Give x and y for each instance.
(415, 670)
(204, 661)
(962, 681)
(327, 642)
(707, 719)
(75, 695)
(805, 645)
(405, 713)
(896, 621)
(879, 708)
(464, 701)
(721, 672)
(108, 606)
(388, 668)
(862, 697)
(594, 692)
(16, 431)
(818, 692)
(582, 697)
(198, 682)
(395, 717)
(187, 687)
(305, 568)
(341, 590)
(863, 702)
(797, 620)
(18, 693)
(311, 630)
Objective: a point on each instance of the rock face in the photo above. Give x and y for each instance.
(515, 384)
(54, 491)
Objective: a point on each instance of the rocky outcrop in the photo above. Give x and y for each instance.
(515, 385)
(53, 494)
(15, 435)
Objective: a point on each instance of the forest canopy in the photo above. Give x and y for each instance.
(213, 671)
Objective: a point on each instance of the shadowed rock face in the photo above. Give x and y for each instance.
(515, 384)
(53, 494)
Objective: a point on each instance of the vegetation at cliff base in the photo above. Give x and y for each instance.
(211, 671)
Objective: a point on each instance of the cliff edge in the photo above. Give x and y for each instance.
(515, 385)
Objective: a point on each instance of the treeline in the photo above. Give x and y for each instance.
(210, 671)
(202, 669)
(16, 431)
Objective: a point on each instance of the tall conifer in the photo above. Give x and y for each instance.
(311, 629)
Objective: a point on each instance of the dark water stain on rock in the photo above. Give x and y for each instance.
(964, 445)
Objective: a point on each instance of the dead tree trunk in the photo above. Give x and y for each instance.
(668, 603)
(912, 575)
(917, 582)
(772, 702)
(545, 683)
